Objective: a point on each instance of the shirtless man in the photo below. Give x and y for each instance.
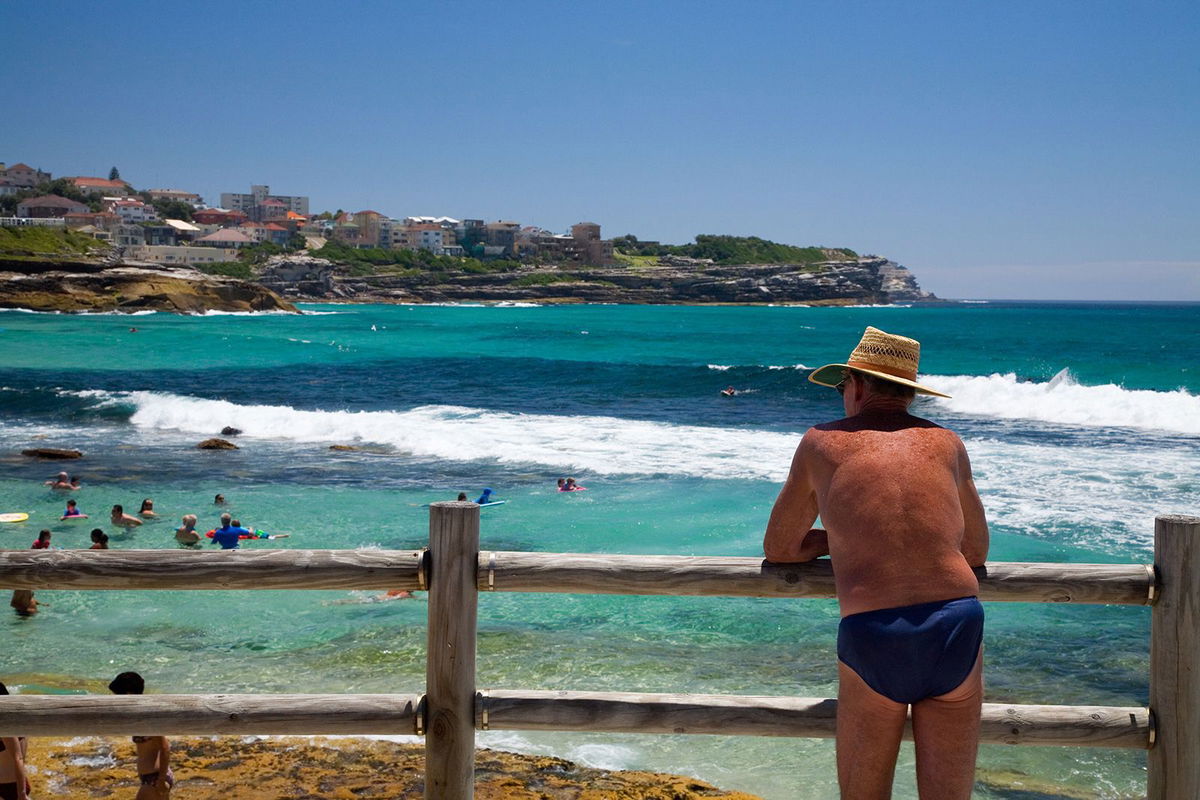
(903, 526)
(119, 517)
(153, 752)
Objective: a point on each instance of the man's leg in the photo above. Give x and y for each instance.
(946, 732)
(869, 727)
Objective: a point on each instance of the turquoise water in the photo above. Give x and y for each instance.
(1082, 422)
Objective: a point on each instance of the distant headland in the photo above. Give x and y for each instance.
(98, 244)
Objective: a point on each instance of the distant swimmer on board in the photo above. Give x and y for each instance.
(729, 391)
(569, 485)
(486, 497)
(904, 526)
(73, 512)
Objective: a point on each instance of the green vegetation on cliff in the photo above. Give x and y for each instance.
(377, 260)
(38, 241)
(732, 250)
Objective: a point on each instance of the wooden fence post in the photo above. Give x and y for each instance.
(1174, 759)
(450, 662)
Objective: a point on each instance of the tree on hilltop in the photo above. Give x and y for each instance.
(114, 174)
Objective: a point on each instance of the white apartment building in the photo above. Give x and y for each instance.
(129, 210)
(252, 204)
(180, 254)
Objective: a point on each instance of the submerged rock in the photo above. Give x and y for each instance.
(268, 769)
(229, 430)
(51, 452)
(217, 444)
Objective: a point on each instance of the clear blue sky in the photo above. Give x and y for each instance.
(998, 149)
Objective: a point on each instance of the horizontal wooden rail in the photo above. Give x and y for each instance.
(594, 573)
(199, 714)
(504, 571)
(612, 712)
(220, 569)
(729, 715)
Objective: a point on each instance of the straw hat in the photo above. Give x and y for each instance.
(882, 355)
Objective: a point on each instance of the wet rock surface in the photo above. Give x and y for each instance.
(311, 768)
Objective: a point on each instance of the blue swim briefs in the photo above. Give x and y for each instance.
(913, 652)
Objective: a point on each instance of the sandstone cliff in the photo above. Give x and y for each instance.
(869, 280)
(92, 285)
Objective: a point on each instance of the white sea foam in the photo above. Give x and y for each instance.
(1063, 400)
(1108, 495)
(603, 445)
(272, 313)
(726, 367)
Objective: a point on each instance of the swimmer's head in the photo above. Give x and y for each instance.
(225, 518)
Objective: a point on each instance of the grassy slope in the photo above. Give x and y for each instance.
(47, 241)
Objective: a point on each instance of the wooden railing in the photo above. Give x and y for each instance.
(452, 708)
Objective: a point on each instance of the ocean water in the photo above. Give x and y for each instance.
(1082, 422)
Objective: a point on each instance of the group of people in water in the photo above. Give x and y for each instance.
(153, 754)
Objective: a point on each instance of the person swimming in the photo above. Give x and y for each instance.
(187, 533)
(73, 512)
(61, 481)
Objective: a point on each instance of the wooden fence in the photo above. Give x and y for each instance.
(452, 708)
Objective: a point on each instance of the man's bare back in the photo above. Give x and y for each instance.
(891, 488)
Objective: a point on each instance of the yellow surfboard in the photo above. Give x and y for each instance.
(14, 517)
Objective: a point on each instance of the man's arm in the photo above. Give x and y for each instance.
(789, 538)
(975, 528)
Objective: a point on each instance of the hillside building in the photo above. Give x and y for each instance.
(260, 204)
(22, 176)
(49, 206)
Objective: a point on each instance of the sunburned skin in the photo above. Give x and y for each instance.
(903, 520)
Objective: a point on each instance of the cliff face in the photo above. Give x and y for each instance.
(869, 280)
(96, 286)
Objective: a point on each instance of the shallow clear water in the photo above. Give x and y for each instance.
(1081, 420)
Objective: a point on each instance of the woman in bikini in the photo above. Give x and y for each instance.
(14, 782)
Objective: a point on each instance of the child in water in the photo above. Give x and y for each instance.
(73, 512)
(153, 752)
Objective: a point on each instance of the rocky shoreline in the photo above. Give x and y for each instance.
(87, 285)
(870, 280)
(309, 768)
(99, 286)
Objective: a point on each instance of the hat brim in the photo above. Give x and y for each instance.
(831, 375)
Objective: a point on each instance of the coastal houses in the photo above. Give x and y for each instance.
(260, 204)
(111, 209)
(49, 206)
